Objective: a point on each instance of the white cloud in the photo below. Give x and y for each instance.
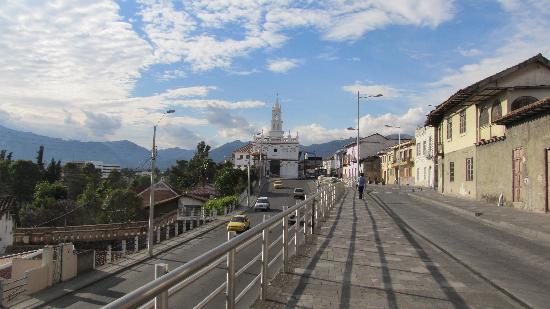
(171, 74)
(526, 35)
(469, 52)
(282, 65)
(386, 90)
(368, 124)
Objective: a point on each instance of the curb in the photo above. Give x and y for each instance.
(501, 225)
(29, 303)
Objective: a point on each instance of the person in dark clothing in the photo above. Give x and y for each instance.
(361, 185)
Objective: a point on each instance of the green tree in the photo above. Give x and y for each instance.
(9, 156)
(46, 190)
(53, 172)
(121, 205)
(40, 157)
(77, 178)
(202, 168)
(24, 175)
(180, 175)
(2, 154)
(140, 183)
(115, 180)
(229, 181)
(49, 206)
(5, 182)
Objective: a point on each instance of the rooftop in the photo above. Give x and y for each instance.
(537, 109)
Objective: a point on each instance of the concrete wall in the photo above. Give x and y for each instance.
(289, 169)
(38, 279)
(69, 262)
(21, 265)
(6, 231)
(495, 174)
(459, 187)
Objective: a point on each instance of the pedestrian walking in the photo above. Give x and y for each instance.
(361, 185)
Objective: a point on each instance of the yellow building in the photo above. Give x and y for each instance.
(467, 119)
(398, 162)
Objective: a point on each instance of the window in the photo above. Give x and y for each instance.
(496, 111)
(424, 173)
(483, 115)
(424, 147)
(248, 156)
(463, 121)
(450, 127)
(451, 171)
(418, 149)
(274, 149)
(430, 142)
(417, 173)
(469, 169)
(240, 157)
(522, 101)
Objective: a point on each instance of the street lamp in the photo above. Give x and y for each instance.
(152, 190)
(398, 151)
(359, 97)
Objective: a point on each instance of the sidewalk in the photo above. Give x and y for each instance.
(530, 225)
(362, 258)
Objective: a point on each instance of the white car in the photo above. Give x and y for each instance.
(262, 203)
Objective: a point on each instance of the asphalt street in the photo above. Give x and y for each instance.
(518, 267)
(113, 287)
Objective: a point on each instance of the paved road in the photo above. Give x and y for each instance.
(105, 291)
(517, 266)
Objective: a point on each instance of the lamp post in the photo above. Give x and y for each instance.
(152, 189)
(398, 151)
(359, 97)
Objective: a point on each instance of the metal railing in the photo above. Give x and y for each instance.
(311, 211)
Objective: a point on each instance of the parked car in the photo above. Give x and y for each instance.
(262, 203)
(278, 184)
(239, 223)
(299, 194)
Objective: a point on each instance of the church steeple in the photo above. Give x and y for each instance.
(276, 120)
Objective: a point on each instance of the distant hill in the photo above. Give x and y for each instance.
(326, 149)
(128, 154)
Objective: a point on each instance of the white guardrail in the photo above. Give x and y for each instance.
(311, 211)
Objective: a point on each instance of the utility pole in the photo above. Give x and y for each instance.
(248, 187)
(152, 196)
(358, 151)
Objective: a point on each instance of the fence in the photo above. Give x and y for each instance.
(311, 211)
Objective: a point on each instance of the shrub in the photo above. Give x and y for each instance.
(221, 203)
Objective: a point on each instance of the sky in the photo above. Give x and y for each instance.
(98, 70)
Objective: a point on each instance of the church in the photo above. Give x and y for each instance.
(279, 152)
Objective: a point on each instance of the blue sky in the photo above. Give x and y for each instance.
(105, 70)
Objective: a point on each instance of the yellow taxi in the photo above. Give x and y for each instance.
(278, 184)
(239, 223)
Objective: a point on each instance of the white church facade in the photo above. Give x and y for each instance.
(280, 152)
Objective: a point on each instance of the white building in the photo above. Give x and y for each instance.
(329, 165)
(7, 208)
(280, 152)
(242, 157)
(105, 168)
(424, 160)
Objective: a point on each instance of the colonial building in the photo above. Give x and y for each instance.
(7, 222)
(329, 165)
(397, 163)
(168, 199)
(521, 173)
(369, 147)
(469, 117)
(424, 159)
(281, 153)
(242, 157)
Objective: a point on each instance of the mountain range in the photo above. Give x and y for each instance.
(24, 145)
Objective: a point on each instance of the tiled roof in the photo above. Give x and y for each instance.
(537, 109)
(481, 90)
(7, 204)
(246, 148)
(493, 139)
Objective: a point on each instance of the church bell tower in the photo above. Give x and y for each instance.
(276, 120)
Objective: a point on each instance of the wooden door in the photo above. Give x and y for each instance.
(517, 155)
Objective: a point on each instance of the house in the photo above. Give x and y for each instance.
(7, 221)
(167, 199)
(242, 157)
(521, 173)
(397, 163)
(469, 119)
(329, 165)
(425, 168)
(369, 148)
(339, 162)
